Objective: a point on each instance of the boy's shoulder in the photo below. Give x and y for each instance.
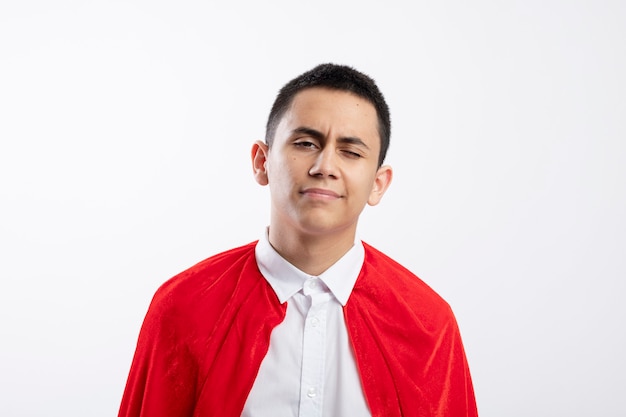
(390, 281)
(209, 280)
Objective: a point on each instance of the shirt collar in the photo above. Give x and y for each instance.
(286, 280)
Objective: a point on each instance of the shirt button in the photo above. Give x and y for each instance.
(311, 284)
(315, 322)
(311, 392)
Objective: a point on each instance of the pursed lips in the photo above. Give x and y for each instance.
(320, 193)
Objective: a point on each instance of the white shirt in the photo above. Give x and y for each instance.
(310, 369)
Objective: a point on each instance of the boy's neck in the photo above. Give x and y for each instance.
(312, 254)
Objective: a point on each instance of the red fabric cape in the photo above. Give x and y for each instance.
(208, 329)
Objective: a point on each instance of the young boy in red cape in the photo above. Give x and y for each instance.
(308, 320)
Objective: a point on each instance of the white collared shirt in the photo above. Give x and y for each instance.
(310, 369)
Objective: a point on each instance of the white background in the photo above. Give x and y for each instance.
(125, 133)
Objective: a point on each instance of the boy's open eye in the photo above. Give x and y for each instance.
(304, 144)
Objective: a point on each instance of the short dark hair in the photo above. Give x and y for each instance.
(334, 77)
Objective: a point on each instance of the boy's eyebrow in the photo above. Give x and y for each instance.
(309, 132)
(353, 141)
(316, 134)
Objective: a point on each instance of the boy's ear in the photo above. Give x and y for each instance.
(381, 183)
(260, 152)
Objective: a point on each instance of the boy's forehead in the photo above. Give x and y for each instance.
(328, 110)
(320, 99)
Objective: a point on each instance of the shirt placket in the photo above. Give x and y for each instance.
(314, 350)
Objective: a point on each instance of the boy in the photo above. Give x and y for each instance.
(306, 321)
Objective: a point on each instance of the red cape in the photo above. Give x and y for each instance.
(208, 329)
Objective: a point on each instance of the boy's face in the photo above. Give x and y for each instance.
(323, 165)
